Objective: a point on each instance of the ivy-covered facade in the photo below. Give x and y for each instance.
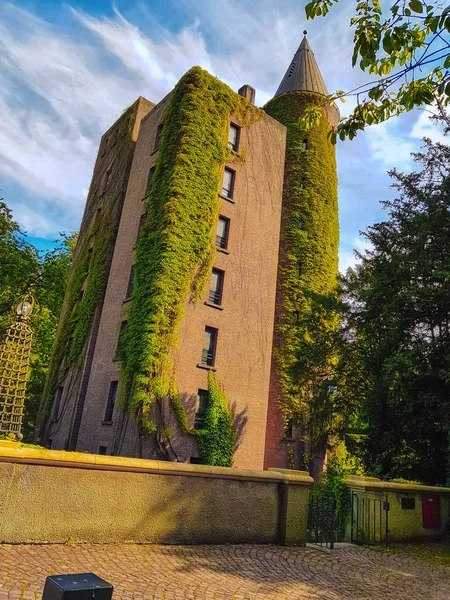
(191, 340)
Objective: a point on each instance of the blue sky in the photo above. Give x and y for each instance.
(67, 71)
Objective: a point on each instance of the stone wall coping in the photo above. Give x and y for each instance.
(376, 485)
(81, 460)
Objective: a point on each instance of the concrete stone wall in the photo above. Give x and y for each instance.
(51, 496)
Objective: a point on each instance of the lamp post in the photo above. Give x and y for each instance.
(15, 348)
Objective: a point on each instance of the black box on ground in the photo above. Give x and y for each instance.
(81, 586)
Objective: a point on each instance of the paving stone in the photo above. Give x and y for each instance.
(147, 572)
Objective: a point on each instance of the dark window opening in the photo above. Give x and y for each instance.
(102, 450)
(150, 177)
(291, 70)
(196, 460)
(228, 183)
(215, 287)
(233, 137)
(288, 429)
(111, 401)
(130, 283)
(305, 144)
(302, 185)
(105, 181)
(49, 444)
(158, 136)
(296, 315)
(57, 402)
(120, 340)
(209, 346)
(223, 227)
(408, 503)
(202, 405)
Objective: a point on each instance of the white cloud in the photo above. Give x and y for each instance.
(347, 256)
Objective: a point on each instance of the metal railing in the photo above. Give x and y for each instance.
(207, 358)
(221, 241)
(370, 519)
(214, 297)
(322, 521)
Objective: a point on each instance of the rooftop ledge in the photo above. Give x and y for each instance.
(81, 460)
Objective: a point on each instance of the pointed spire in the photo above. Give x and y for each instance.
(303, 74)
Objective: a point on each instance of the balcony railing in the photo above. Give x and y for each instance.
(227, 193)
(207, 357)
(214, 297)
(221, 241)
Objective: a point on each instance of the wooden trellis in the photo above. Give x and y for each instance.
(15, 348)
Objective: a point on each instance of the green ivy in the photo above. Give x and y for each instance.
(217, 439)
(308, 257)
(175, 250)
(90, 266)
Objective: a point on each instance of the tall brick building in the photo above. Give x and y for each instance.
(231, 330)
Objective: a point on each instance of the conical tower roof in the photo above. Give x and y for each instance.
(303, 74)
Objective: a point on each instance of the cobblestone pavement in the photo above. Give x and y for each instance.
(226, 572)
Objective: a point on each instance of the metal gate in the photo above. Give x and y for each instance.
(322, 521)
(370, 519)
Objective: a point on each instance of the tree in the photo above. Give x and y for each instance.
(408, 50)
(395, 359)
(23, 269)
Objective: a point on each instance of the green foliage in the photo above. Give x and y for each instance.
(23, 269)
(306, 314)
(217, 440)
(405, 47)
(176, 249)
(397, 329)
(85, 289)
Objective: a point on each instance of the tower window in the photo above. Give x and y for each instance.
(111, 401)
(158, 137)
(130, 283)
(202, 405)
(305, 144)
(105, 181)
(102, 450)
(57, 402)
(215, 287)
(228, 183)
(209, 346)
(150, 177)
(120, 340)
(291, 70)
(233, 137)
(223, 228)
(302, 185)
(288, 430)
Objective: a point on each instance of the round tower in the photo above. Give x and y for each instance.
(307, 274)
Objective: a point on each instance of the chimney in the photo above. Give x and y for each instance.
(248, 92)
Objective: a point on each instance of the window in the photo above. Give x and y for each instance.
(105, 181)
(111, 401)
(305, 144)
(302, 185)
(408, 503)
(209, 346)
(130, 283)
(215, 287)
(288, 429)
(89, 260)
(158, 136)
(233, 137)
(57, 402)
(150, 177)
(228, 183)
(202, 405)
(196, 460)
(119, 342)
(223, 227)
(102, 450)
